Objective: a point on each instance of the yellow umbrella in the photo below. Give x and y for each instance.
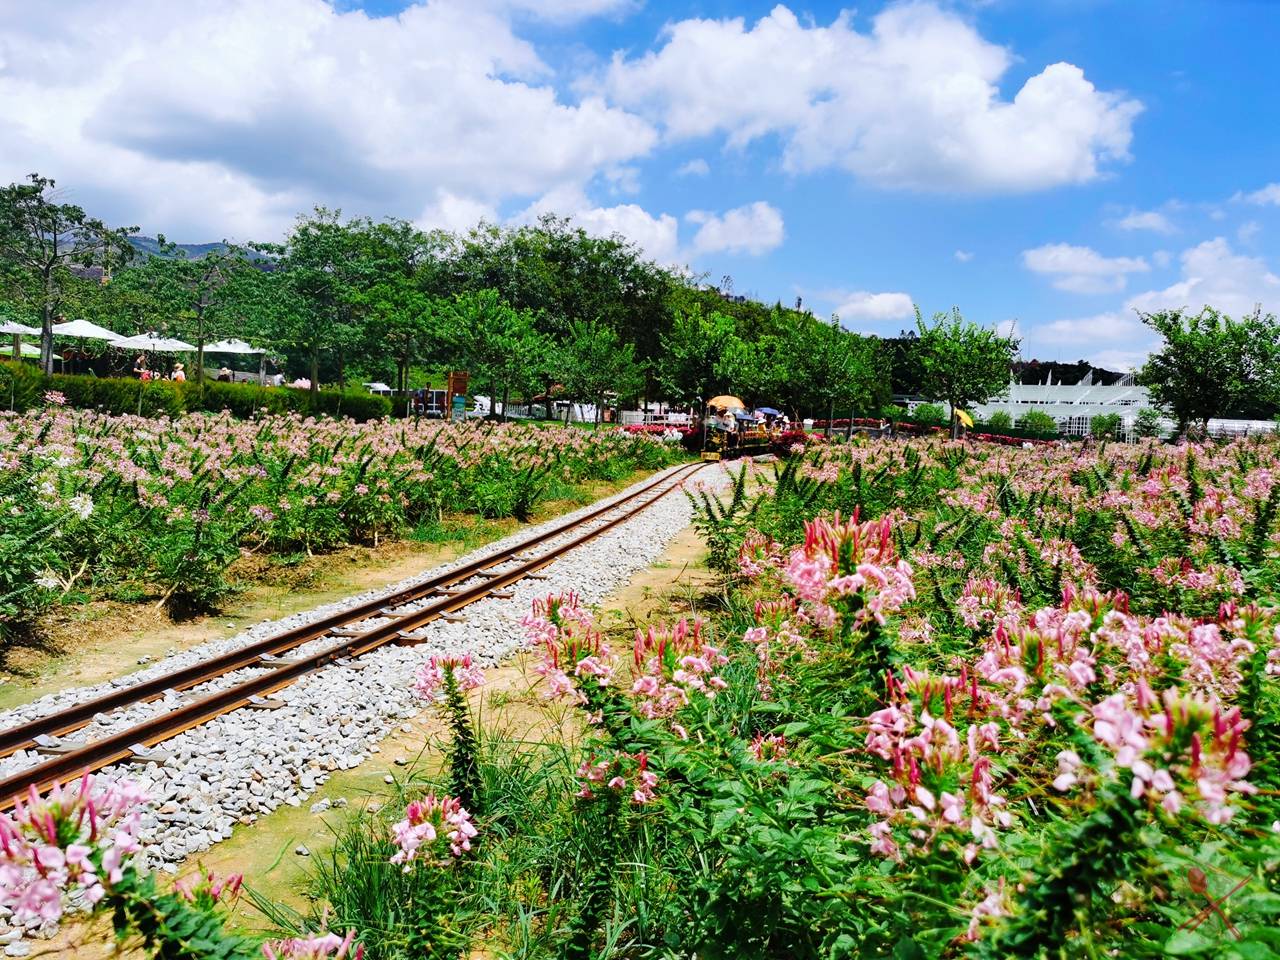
(964, 418)
(726, 403)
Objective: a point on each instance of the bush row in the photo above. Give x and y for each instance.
(23, 387)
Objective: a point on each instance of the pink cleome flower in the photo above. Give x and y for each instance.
(429, 821)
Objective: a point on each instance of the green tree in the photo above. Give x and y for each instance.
(1147, 423)
(835, 371)
(594, 362)
(197, 294)
(693, 351)
(1210, 363)
(962, 363)
(41, 240)
(498, 344)
(314, 305)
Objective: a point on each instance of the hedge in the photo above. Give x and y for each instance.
(23, 386)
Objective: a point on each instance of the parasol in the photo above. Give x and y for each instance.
(152, 342)
(17, 330)
(232, 346)
(726, 402)
(769, 411)
(83, 330)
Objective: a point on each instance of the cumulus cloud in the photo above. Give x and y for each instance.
(875, 307)
(1268, 195)
(753, 229)
(1212, 274)
(964, 256)
(226, 117)
(1082, 269)
(697, 167)
(1152, 220)
(914, 102)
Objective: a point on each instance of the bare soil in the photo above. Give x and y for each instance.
(265, 851)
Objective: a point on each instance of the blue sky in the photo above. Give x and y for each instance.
(1054, 164)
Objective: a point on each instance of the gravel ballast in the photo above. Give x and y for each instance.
(244, 764)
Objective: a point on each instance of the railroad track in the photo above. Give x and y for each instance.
(403, 612)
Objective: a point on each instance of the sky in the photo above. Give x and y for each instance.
(1050, 167)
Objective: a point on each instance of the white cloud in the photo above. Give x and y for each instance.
(448, 211)
(1145, 220)
(964, 256)
(226, 117)
(915, 102)
(1270, 194)
(1212, 274)
(754, 229)
(1247, 232)
(657, 236)
(1162, 258)
(1082, 269)
(875, 307)
(697, 167)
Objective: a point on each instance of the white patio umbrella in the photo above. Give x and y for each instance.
(17, 330)
(32, 351)
(83, 330)
(245, 349)
(232, 346)
(152, 343)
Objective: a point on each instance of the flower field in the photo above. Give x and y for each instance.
(949, 700)
(125, 506)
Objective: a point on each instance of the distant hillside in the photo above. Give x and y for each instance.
(150, 246)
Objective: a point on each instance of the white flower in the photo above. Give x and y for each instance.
(81, 505)
(48, 581)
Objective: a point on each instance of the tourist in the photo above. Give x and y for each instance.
(140, 367)
(179, 374)
(224, 375)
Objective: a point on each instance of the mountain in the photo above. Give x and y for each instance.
(150, 246)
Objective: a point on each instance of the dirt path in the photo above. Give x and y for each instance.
(97, 641)
(265, 851)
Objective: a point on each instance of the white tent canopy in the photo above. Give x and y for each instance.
(232, 346)
(152, 342)
(84, 330)
(10, 327)
(32, 351)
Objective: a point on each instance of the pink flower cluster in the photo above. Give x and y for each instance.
(851, 565)
(78, 837)
(572, 647)
(430, 678)
(757, 554)
(671, 663)
(623, 772)
(765, 747)
(985, 601)
(325, 946)
(1179, 749)
(1214, 579)
(939, 781)
(429, 822)
(208, 889)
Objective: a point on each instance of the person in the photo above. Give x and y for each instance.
(224, 375)
(140, 367)
(179, 375)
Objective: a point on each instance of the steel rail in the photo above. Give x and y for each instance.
(121, 745)
(77, 715)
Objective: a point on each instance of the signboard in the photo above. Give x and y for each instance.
(459, 407)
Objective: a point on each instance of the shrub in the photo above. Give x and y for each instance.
(999, 422)
(931, 414)
(1106, 425)
(1147, 423)
(21, 385)
(1039, 423)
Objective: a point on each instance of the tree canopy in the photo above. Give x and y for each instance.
(960, 362)
(1210, 364)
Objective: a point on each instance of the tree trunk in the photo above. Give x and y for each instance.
(506, 396)
(200, 353)
(315, 369)
(342, 369)
(46, 326)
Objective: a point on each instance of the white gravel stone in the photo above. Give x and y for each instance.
(244, 764)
